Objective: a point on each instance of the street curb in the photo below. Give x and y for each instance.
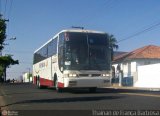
(135, 88)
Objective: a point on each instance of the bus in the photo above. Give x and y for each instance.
(73, 58)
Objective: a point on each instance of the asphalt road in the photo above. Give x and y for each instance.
(29, 99)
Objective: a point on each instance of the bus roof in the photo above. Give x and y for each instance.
(82, 30)
(70, 30)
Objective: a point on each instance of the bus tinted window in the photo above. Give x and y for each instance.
(46, 51)
(87, 51)
(97, 39)
(52, 47)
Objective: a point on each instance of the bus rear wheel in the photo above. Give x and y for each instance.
(39, 85)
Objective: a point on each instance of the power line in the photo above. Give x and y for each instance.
(0, 6)
(140, 32)
(10, 9)
(5, 8)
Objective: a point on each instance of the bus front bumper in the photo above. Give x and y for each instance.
(87, 82)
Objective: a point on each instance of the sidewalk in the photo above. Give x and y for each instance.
(133, 88)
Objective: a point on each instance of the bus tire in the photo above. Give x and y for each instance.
(56, 86)
(92, 89)
(39, 84)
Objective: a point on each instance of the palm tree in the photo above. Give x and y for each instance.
(113, 44)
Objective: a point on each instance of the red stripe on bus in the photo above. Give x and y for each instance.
(61, 85)
(46, 82)
(49, 83)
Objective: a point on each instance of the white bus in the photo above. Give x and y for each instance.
(74, 58)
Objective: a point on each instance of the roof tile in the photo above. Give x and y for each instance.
(147, 52)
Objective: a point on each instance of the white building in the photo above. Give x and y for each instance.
(136, 67)
(26, 77)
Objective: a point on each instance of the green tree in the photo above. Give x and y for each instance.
(1, 71)
(5, 61)
(2, 33)
(113, 44)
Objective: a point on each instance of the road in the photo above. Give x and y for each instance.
(26, 97)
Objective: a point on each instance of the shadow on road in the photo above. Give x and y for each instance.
(33, 92)
(70, 99)
(105, 90)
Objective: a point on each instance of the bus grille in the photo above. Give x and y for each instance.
(96, 75)
(83, 75)
(89, 75)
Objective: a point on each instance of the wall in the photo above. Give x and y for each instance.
(129, 68)
(148, 76)
(141, 62)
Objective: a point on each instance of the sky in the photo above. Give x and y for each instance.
(33, 22)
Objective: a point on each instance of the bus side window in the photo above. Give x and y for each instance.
(60, 51)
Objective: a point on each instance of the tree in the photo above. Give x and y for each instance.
(1, 71)
(2, 33)
(5, 62)
(113, 44)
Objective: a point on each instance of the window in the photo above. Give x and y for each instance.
(61, 39)
(61, 50)
(55, 45)
(46, 51)
(98, 39)
(50, 48)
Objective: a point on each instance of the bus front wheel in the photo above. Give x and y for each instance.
(56, 86)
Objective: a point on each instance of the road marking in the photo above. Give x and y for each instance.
(140, 94)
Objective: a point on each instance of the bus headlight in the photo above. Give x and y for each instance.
(72, 75)
(105, 75)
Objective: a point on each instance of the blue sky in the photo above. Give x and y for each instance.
(33, 22)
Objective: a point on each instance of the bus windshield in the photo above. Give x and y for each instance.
(86, 51)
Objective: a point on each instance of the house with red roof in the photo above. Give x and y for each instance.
(129, 68)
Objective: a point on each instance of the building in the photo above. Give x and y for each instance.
(130, 68)
(27, 77)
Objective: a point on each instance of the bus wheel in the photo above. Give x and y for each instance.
(39, 84)
(56, 86)
(92, 89)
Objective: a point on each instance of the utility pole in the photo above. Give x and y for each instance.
(2, 44)
(4, 39)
